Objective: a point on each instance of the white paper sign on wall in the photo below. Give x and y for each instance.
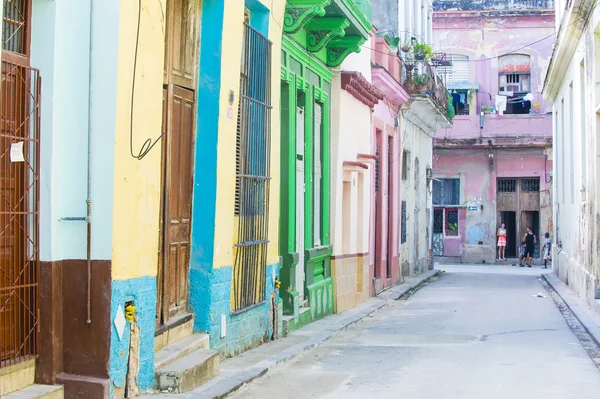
(16, 152)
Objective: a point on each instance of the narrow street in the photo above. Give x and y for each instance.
(475, 332)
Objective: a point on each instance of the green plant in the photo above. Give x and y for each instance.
(451, 111)
(422, 51)
(420, 79)
(486, 108)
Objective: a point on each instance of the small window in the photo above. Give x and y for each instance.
(417, 177)
(530, 185)
(460, 101)
(438, 221)
(507, 185)
(452, 222)
(514, 81)
(403, 224)
(446, 192)
(405, 164)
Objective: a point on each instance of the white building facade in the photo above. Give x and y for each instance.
(572, 84)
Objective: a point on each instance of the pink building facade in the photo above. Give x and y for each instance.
(386, 144)
(494, 165)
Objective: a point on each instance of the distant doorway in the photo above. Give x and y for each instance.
(531, 219)
(509, 218)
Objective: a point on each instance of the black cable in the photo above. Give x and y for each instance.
(148, 144)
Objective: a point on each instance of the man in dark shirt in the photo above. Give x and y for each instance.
(530, 241)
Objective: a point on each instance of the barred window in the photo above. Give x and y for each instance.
(507, 185)
(530, 185)
(438, 221)
(452, 222)
(403, 224)
(253, 162)
(14, 25)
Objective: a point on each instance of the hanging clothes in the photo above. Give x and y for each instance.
(501, 103)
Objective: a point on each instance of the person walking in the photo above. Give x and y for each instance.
(502, 242)
(530, 241)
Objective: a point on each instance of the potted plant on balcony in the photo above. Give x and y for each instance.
(422, 51)
(420, 80)
(486, 110)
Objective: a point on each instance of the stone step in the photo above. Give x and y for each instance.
(179, 349)
(177, 329)
(38, 392)
(188, 372)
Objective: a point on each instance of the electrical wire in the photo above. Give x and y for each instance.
(148, 144)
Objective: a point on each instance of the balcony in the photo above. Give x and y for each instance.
(429, 104)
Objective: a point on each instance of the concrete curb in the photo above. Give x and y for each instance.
(589, 319)
(398, 291)
(230, 382)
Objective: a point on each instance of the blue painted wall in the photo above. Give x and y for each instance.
(205, 163)
(143, 292)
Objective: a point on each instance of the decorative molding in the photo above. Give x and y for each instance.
(391, 88)
(354, 165)
(323, 30)
(367, 158)
(299, 12)
(339, 48)
(306, 58)
(356, 84)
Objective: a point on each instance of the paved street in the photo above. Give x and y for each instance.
(476, 332)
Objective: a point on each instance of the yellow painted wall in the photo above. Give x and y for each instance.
(137, 182)
(225, 232)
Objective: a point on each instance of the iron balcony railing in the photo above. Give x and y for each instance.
(419, 79)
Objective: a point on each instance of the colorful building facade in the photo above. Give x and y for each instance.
(352, 162)
(318, 36)
(386, 143)
(493, 166)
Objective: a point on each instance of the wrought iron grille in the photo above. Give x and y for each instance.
(377, 168)
(15, 19)
(507, 185)
(438, 221)
(19, 216)
(452, 222)
(531, 185)
(403, 223)
(253, 169)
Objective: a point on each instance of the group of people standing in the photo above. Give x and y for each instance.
(526, 248)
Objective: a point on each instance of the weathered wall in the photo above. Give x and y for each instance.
(484, 36)
(576, 168)
(350, 207)
(60, 49)
(415, 191)
(478, 188)
(213, 220)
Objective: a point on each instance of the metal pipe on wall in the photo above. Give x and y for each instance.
(89, 175)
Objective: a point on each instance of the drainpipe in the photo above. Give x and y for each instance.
(88, 217)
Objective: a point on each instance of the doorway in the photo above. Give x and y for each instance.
(531, 219)
(509, 218)
(179, 110)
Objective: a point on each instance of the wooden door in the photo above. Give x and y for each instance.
(300, 190)
(179, 108)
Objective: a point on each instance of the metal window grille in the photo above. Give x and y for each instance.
(530, 185)
(19, 215)
(253, 169)
(438, 221)
(377, 168)
(446, 192)
(507, 185)
(318, 173)
(15, 19)
(403, 224)
(452, 222)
